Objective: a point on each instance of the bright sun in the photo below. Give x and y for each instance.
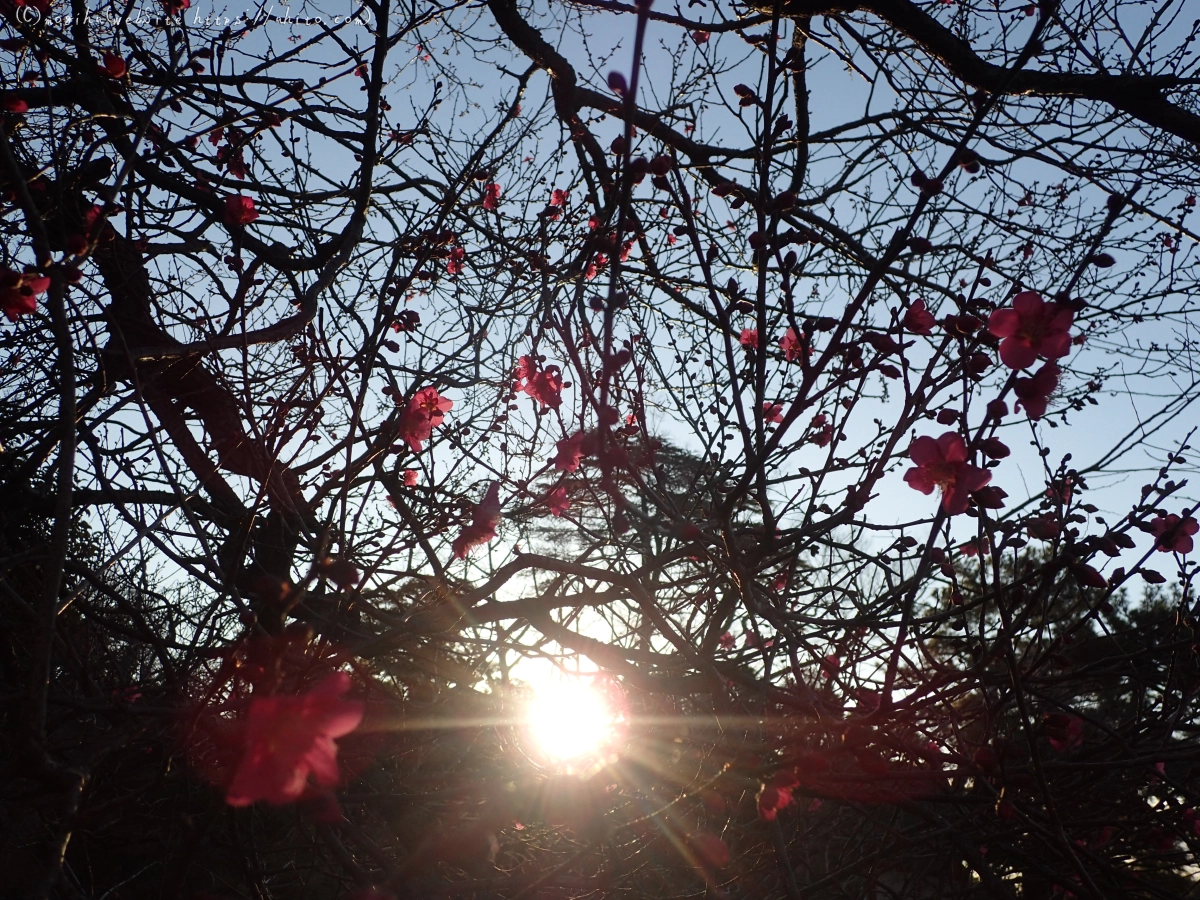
(571, 717)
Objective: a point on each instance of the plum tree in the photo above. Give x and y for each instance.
(789, 369)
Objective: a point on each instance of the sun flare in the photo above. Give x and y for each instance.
(572, 718)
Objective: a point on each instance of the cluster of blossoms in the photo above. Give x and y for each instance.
(776, 794)
(482, 527)
(1174, 533)
(571, 451)
(1065, 732)
(558, 502)
(113, 66)
(792, 345)
(19, 292)
(239, 211)
(918, 319)
(544, 385)
(286, 739)
(944, 464)
(1029, 329)
(424, 412)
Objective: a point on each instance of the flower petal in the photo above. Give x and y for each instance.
(925, 450)
(1017, 352)
(918, 479)
(953, 448)
(1055, 345)
(974, 478)
(1004, 323)
(322, 760)
(1029, 304)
